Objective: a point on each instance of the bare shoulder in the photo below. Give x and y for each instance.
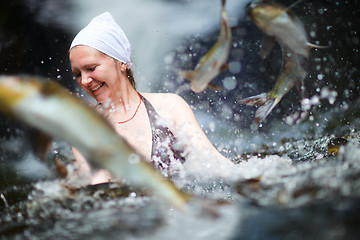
(169, 105)
(164, 100)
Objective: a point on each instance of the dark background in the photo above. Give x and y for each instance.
(30, 44)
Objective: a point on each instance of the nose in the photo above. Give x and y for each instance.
(85, 79)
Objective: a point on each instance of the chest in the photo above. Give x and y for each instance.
(137, 132)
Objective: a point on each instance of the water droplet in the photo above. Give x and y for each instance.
(234, 67)
(212, 126)
(229, 83)
(320, 76)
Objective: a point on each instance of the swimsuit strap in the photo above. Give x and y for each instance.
(163, 140)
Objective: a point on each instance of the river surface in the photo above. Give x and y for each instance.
(297, 177)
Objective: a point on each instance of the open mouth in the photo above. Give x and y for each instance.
(99, 86)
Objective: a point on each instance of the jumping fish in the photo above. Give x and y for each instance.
(292, 73)
(214, 61)
(47, 106)
(281, 24)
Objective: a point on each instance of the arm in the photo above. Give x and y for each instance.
(188, 129)
(85, 171)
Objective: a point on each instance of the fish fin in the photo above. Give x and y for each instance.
(311, 45)
(40, 143)
(257, 100)
(265, 103)
(292, 5)
(224, 67)
(268, 44)
(214, 87)
(189, 75)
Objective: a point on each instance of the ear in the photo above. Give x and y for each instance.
(120, 65)
(123, 66)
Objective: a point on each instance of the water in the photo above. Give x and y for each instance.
(313, 198)
(287, 184)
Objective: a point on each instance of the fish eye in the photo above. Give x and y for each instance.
(253, 4)
(249, 5)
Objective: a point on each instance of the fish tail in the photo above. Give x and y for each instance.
(223, 2)
(265, 103)
(189, 75)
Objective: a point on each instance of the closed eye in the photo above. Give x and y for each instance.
(77, 75)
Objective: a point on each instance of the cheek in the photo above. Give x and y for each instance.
(109, 77)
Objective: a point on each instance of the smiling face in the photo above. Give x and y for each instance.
(96, 73)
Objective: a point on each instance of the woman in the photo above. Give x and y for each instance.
(155, 124)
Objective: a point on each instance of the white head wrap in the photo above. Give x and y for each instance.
(106, 36)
